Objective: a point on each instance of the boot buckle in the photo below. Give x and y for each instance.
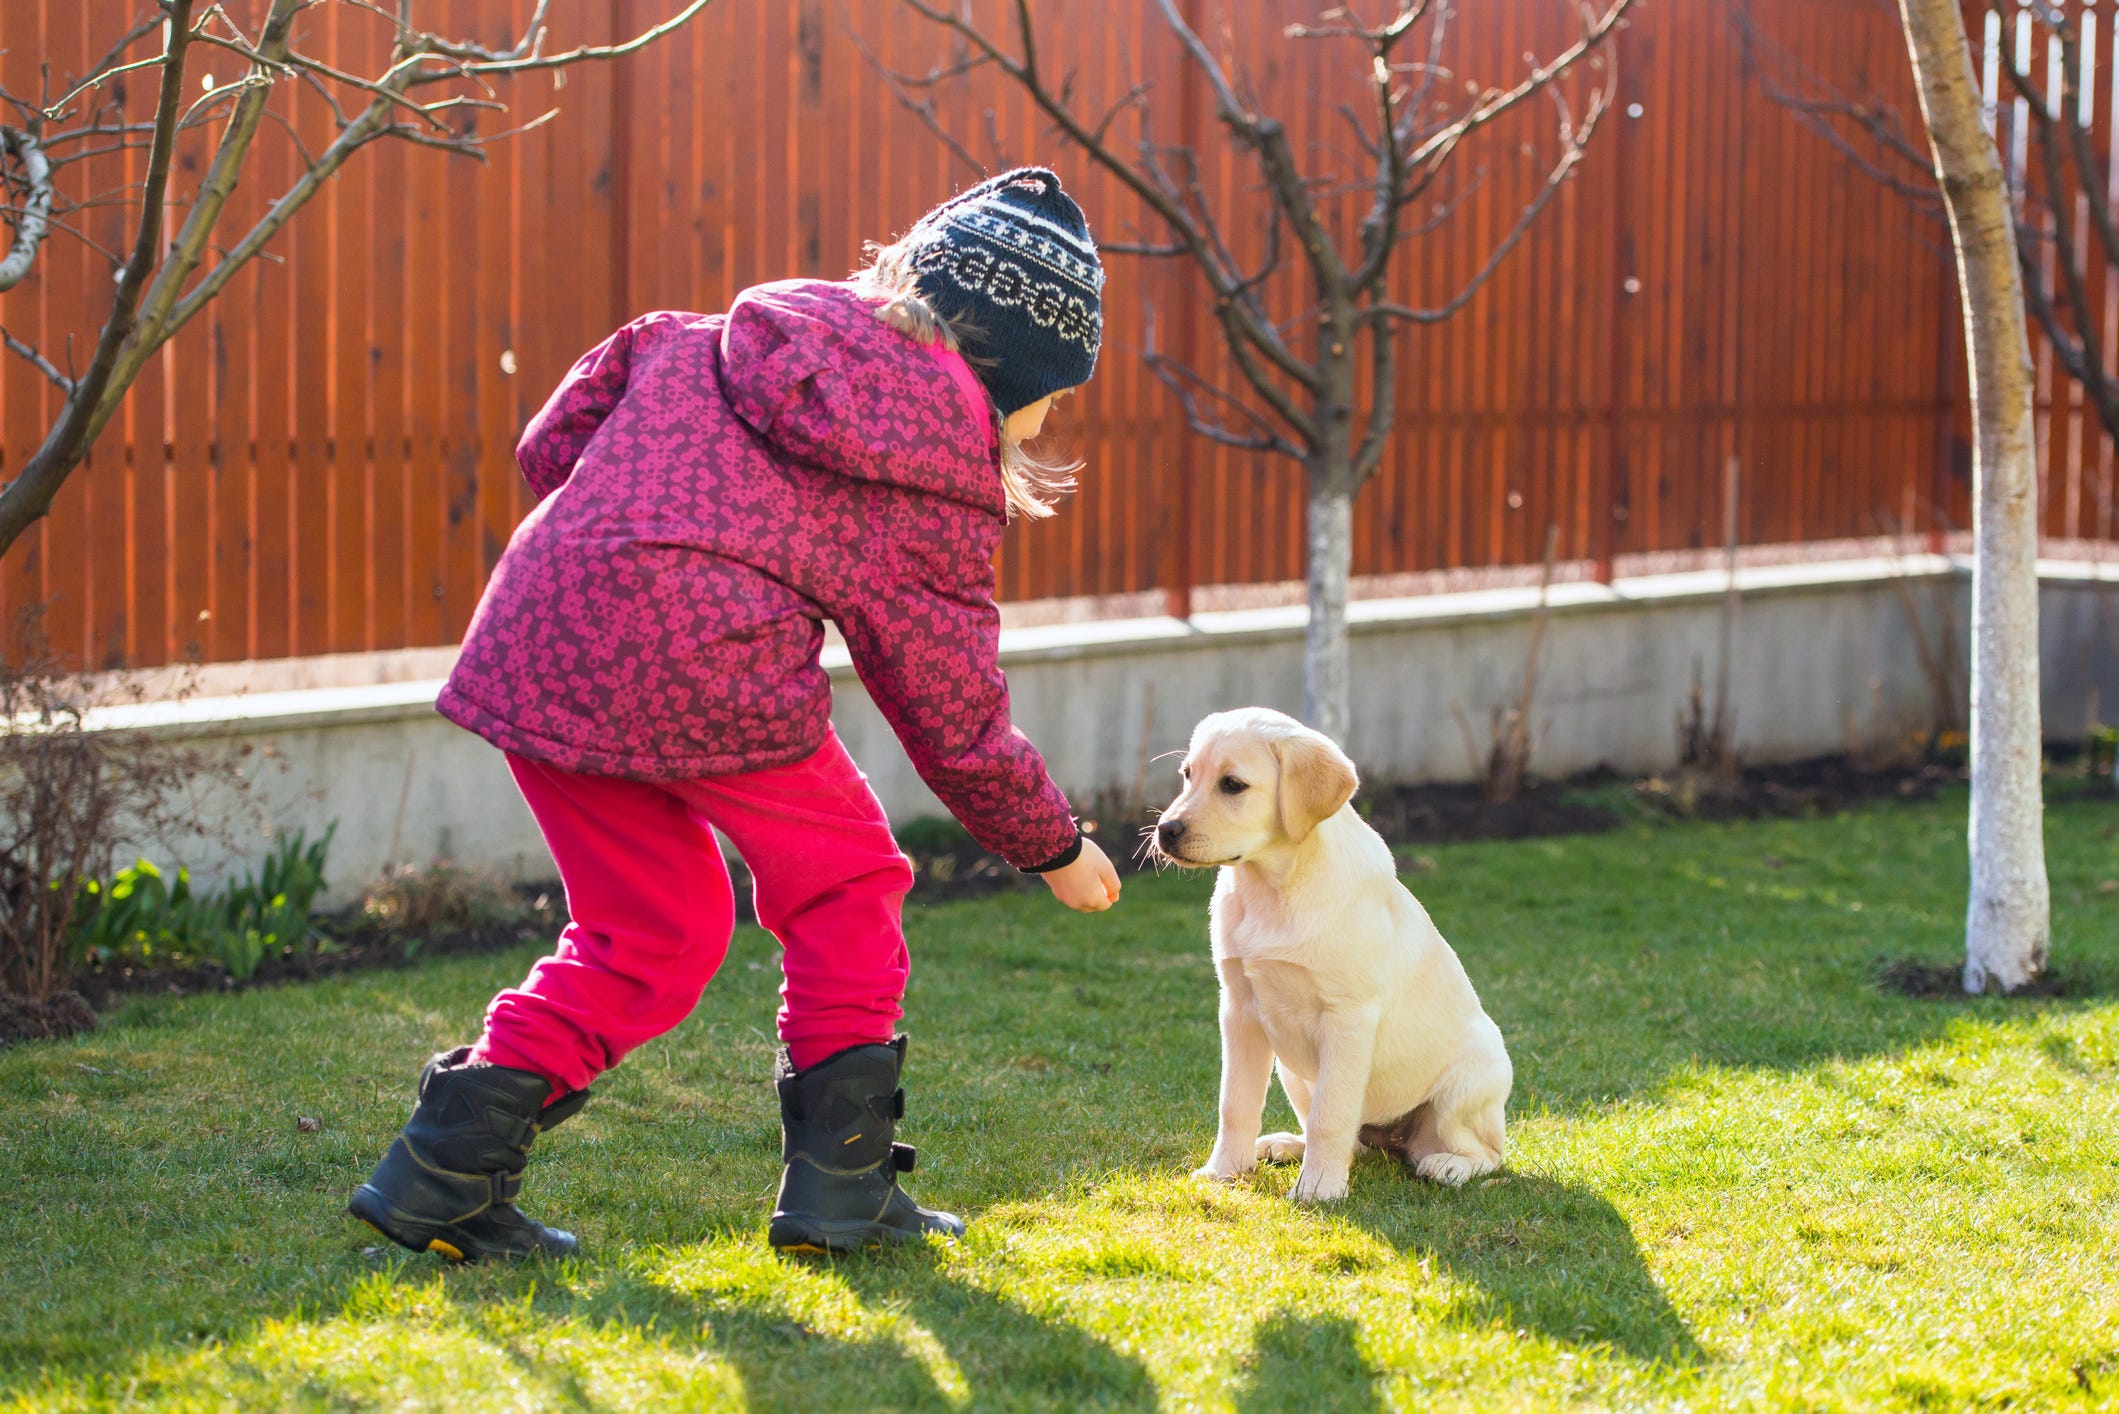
(903, 1156)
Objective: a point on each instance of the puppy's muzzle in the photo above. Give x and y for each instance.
(1169, 839)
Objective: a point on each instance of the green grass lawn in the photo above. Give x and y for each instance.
(1740, 1175)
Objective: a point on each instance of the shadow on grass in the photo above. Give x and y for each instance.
(1301, 1361)
(1551, 1258)
(1005, 1355)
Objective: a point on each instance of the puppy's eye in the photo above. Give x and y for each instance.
(1231, 786)
(1185, 772)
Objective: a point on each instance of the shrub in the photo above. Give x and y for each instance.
(415, 902)
(70, 796)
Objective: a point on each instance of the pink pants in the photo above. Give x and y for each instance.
(652, 911)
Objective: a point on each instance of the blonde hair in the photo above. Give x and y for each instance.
(1030, 483)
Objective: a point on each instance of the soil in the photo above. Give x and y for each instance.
(355, 950)
(1585, 804)
(1944, 981)
(62, 1014)
(1438, 814)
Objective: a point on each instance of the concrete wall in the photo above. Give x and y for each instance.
(1826, 660)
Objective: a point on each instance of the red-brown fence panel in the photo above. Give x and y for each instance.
(322, 462)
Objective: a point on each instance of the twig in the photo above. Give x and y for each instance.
(921, 108)
(522, 63)
(37, 360)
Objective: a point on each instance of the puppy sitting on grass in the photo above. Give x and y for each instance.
(1331, 971)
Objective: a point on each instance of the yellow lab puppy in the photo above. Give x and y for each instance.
(1330, 969)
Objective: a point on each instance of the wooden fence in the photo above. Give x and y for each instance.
(322, 463)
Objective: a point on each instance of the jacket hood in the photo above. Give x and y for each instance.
(812, 370)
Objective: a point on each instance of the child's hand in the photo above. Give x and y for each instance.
(1089, 884)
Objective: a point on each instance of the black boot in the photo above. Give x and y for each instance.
(449, 1180)
(840, 1190)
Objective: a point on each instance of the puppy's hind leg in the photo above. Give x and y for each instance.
(1465, 1134)
(1286, 1148)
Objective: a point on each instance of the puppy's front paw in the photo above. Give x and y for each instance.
(1280, 1148)
(1313, 1186)
(1219, 1168)
(1450, 1170)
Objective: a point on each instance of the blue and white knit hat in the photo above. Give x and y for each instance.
(1012, 258)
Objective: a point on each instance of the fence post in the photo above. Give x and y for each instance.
(1604, 463)
(1180, 567)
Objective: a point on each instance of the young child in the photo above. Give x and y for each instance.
(713, 489)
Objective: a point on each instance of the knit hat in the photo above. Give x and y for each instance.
(1012, 259)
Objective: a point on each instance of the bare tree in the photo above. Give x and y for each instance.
(434, 91)
(2059, 180)
(2008, 925)
(1300, 361)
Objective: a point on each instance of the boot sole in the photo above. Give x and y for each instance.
(823, 1237)
(369, 1207)
(444, 1241)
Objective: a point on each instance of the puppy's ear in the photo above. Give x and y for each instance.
(1316, 778)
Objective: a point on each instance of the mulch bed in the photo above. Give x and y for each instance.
(1434, 814)
(949, 867)
(1944, 981)
(63, 1014)
(355, 950)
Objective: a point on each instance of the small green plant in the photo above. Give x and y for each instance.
(141, 914)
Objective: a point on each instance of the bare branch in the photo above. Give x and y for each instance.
(1409, 13)
(1494, 104)
(1129, 99)
(67, 228)
(1148, 248)
(38, 361)
(323, 90)
(34, 215)
(386, 90)
(94, 130)
(2081, 353)
(29, 496)
(468, 144)
(901, 87)
(197, 111)
(531, 43)
(1185, 384)
(193, 238)
(1577, 139)
(1880, 123)
(286, 125)
(57, 110)
(1268, 138)
(140, 30)
(526, 58)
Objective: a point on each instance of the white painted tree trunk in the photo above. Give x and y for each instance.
(1327, 689)
(2008, 924)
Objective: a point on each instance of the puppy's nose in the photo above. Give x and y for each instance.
(1169, 832)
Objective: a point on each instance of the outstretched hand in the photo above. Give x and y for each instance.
(1089, 884)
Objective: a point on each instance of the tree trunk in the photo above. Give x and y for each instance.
(2008, 924)
(1326, 687)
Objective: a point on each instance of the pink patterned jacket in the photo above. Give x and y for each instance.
(713, 488)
